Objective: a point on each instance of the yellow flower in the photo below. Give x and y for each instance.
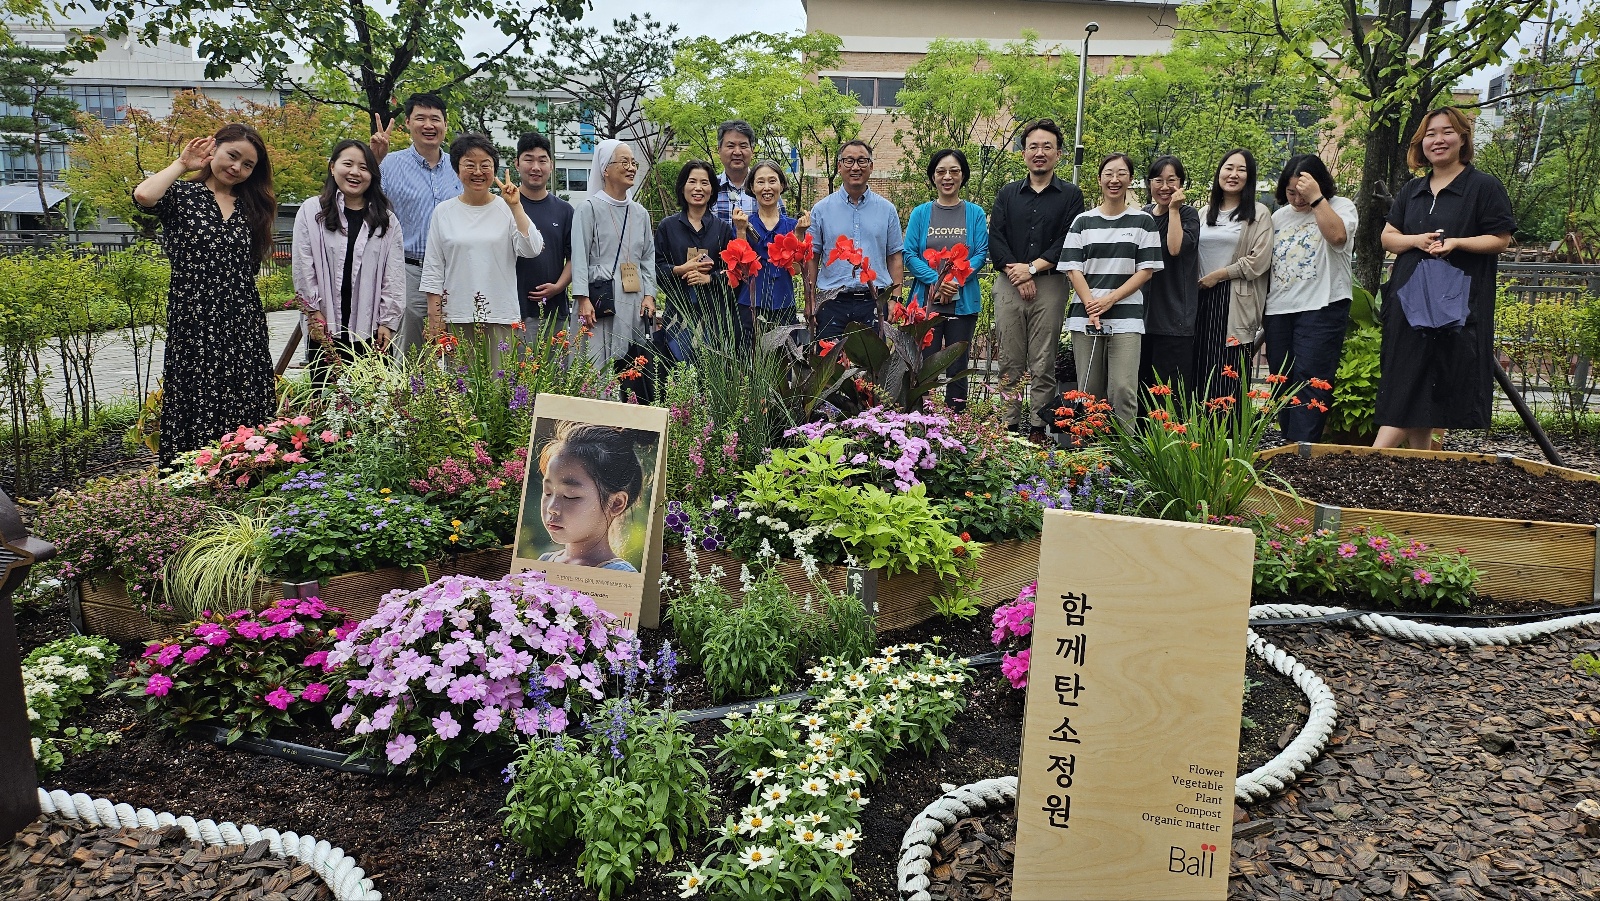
(455, 538)
(455, 523)
(383, 491)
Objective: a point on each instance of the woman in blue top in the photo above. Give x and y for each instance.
(939, 225)
(767, 299)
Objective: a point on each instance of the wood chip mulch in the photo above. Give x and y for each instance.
(69, 860)
(1455, 773)
(974, 858)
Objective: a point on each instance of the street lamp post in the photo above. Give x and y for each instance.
(1083, 77)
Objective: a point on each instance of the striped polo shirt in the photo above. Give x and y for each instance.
(1108, 250)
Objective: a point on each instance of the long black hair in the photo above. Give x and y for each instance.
(255, 196)
(1246, 210)
(377, 204)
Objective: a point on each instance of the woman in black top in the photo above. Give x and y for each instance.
(1172, 298)
(217, 231)
(1441, 379)
(689, 246)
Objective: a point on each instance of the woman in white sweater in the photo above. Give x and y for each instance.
(470, 270)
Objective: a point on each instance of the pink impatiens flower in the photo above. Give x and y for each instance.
(487, 719)
(158, 685)
(1015, 668)
(400, 748)
(193, 655)
(314, 692)
(280, 698)
(446, 726)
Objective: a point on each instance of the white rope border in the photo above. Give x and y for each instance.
(916, 849)
(1429, 633)
(1281, 771)
(347, 880)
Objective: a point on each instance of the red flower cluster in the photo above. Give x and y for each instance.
(743, 262)
(788, 251)
(1093, 420)
(953, 264)
(845, 250)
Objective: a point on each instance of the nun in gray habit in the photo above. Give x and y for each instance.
(613, 240)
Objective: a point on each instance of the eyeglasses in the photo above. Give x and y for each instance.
(855, 162)
(626, 164)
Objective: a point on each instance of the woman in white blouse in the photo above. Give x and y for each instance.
(1235, 271)
(470, 270)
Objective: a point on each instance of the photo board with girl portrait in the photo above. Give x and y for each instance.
(591, 516)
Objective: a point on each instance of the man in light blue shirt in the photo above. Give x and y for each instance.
(416, 180)
(836, 294)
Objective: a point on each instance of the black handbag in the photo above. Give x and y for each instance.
(603, 292)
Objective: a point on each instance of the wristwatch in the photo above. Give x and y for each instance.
(1314, 203)
(1033, 269)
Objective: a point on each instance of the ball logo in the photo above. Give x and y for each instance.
(1204, 863)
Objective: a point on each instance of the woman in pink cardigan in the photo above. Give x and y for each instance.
(349, 262)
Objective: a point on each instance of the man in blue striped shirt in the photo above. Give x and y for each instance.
(839, 295)
(416, 180)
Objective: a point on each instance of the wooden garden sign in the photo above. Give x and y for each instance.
(593, 508)
(1135, 688)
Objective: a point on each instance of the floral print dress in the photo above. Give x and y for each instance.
(217, 371)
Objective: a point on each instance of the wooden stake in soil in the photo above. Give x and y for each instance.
(1131, 737)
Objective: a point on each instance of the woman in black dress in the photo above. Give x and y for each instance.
(217, 230)
(1441, 379)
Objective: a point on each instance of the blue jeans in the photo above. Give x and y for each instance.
(1305, 346)
(834, 315)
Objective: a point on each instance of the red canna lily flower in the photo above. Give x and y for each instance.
(742, 260)
(846, 250)
(868, 276)
(952, 264)
(788, 251)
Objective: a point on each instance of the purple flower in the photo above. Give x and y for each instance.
(400, 748)
(486, 720)
(446, 726)
(193, 655)
(168, 654)
(314, 692)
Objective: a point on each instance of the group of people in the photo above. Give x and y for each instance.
(404, 246)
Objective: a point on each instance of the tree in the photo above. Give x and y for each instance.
(1393, 61)
(109, 160)
(966, 95)
(41, 115)
(768, 80)
(379, 49)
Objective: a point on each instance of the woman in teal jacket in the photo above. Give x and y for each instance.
(939, 225)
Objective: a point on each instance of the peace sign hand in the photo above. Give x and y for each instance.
(508, 191)
(380, 141)
(197, 153)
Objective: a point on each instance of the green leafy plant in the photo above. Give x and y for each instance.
(328, 525)
(958, 601)
(1355, 387)
(56, 678)
(1292, 560)
(1245, 722)
(635, 788)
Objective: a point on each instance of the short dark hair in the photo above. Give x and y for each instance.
(854, 143)
(534, 141)
(1311, 164)
(431, 101)
(960, 158)
(1246, 210)
(472, 140)
(738, 125)
(783, 177)
(1110, 157)
(1045, 125)
(1162, 162)
(683, 180)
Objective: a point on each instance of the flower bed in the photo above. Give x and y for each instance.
(1519, 559)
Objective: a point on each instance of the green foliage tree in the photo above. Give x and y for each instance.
(770, 81)
(1391, 61)
(40, 114)
(380, 49)
(967, 95)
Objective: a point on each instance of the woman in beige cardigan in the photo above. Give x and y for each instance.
(1236, 259)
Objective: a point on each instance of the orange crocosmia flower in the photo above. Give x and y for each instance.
(1320, 385)
(1159, 415)
(1160, 390)
(518, 326)
(1317, 405)
(1294, 401)
(1277, 378)
(1228, 372)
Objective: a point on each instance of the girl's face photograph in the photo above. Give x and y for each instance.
(572, 509)
(350, 172)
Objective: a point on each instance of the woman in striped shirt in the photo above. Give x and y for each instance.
(1110, 252)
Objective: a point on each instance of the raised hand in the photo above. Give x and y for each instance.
(508, 191)
(197, 153)
(804, 222)
(741, 219)
(1177, 199)
(381, 140)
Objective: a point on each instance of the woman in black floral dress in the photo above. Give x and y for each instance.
(217, 232)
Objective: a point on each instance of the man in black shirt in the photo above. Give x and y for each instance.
(542, 280)
(1027, 226)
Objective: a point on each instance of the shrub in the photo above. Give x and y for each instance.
(1355, 387)
(249, 453)
(333, 524)
(245, 671)
(484, 496)
(465, 665)
(56, 678)
(129, 528)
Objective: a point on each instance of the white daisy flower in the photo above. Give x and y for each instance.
(807, 836)
(691, 883)
(759, 856)
(775, 794)
(814, 787)
(760, 775)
